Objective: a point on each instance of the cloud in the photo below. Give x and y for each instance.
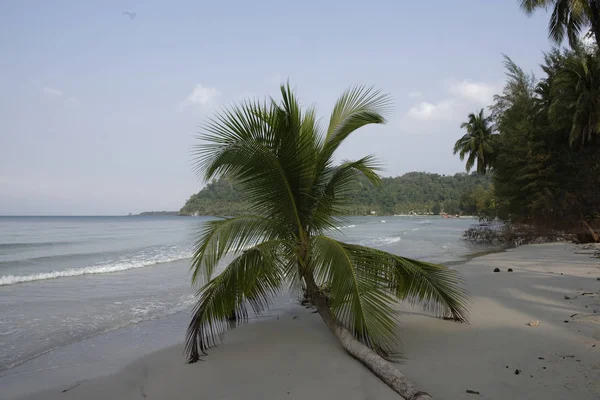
(460, 98)
(201, 96)
(57, 93)
(426, 111)
(49, 91)
(478, 92)
(415, 94)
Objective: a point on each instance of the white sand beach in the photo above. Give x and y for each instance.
(296, 357)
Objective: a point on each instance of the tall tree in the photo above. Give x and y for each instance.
(282, 159)
(476, 144)
(568, 18)
(576, 93)
(540, 181)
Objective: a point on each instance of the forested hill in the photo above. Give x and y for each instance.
(418, 192)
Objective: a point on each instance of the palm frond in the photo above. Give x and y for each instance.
(529, 6)
(269, 150)
(558, 21)
(361, 302)
(332, 189)
(357, 107)
(230, 235)
(253, 278)
(437, 288)
(259, 173)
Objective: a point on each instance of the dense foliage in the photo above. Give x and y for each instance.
(569, 18)
(417, 192)
(546, 166)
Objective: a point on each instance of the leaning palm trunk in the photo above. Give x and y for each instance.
(281, 159)
(382, 368)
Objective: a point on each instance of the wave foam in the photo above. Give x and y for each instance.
(381, 241)
(345, 226)
(92, 270)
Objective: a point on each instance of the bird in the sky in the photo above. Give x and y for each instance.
(131, 15)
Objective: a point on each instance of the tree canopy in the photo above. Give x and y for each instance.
(568, 18)
(477, 144)
(547, 144)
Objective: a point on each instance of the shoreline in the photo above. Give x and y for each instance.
(15, 369)
(555, 359)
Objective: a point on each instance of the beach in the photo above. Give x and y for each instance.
(294, 355)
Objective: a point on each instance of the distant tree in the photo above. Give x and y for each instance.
(479, 201)
(568, 18)
(476, 144)
(436, 209)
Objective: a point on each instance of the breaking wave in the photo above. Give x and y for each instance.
(137, 261)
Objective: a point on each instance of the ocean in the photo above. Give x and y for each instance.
(67, 280)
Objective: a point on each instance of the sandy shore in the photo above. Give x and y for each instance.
(295, 356)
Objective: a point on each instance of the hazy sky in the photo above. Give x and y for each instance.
(98, 110)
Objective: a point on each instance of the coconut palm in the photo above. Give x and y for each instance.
(568, 17)
(576, 93)
(476, 144)
(282, 159)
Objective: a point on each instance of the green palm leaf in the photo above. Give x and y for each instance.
(336, 183)
(364, 283)
(356, 107)
(360, 301)
(568, 17)
(253, 278)
(231, 235)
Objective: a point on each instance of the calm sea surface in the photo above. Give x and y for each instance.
(66, 279)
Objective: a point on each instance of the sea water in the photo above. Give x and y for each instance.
(64, 280)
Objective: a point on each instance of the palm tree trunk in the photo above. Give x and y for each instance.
(383, 369)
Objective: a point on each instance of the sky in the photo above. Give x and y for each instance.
(100, 109)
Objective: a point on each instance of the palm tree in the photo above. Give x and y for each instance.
(568, 16)
(282, 160)
(576, 93)
(477, 143)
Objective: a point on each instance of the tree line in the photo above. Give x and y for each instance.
(540, 138)
(414, 192)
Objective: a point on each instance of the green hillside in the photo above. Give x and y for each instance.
(418, 192)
